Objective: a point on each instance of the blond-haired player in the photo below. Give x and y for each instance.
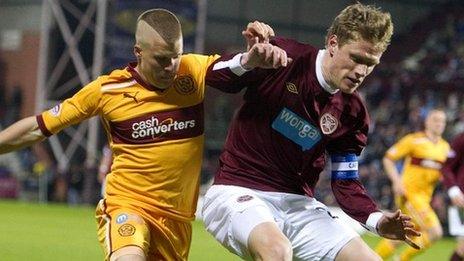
(424, 153)
(152, 112)
(261, 205)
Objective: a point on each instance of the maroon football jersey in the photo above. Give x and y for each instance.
(278, 138)
(453, 169)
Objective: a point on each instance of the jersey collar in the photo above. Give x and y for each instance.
(320, 77)
(131, 68)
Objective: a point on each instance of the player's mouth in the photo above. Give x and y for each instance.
(352, 82)
(167, 78)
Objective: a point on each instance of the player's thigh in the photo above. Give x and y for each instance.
(266, 240)
(120, 228)
(356, 249)
(423, 215)
(230, 213)
(315, 234)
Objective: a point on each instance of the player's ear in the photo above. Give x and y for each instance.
(137, 51)
(332, 44)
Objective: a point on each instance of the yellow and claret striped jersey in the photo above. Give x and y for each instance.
(156, 136)
(423, 161)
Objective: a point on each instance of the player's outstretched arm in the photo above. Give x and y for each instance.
(264, 55)
(21, 134)
(397, 226)
(394, 176)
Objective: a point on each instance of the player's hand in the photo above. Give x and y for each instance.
(398, 226)
(458, 200)
(257, 32)
(264, 55)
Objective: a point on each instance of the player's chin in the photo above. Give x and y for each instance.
(348, 89)
(164, 83)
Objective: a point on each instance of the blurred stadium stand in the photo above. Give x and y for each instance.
(423, 68)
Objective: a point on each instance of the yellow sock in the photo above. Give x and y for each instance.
(385, 248)
(423, 241)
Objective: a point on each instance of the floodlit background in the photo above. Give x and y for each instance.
(49, 49)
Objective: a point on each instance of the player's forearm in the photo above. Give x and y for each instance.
(353, 199)
(21, 134)
(390, 170)
(224, 74)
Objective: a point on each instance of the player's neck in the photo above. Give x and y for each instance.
(432, 136)
(325, 70)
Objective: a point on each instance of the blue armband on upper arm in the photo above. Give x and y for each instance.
(344, 166)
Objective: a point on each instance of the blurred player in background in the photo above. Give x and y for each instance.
(152, 111)
(424, 153)
(300, 102)
(453, 179)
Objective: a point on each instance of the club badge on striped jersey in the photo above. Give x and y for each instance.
(328, 123)
(185, 85)
(126, 230)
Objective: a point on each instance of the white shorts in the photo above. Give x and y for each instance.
(231, 212)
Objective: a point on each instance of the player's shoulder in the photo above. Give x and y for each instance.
(417, 137)
(197, 59)
(444, 142)
(294, 48)
(117, 79)
(353, 104)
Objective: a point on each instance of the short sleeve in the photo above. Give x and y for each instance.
(81, 106)
(400, 149)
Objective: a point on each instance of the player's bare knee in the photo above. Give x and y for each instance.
(130, 258)
(273, 250)
(128, 253)
(436, 233)
(267, 242)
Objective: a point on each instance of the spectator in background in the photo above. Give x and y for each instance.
(424, 154)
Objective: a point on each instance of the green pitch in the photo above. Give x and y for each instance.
(57, 232)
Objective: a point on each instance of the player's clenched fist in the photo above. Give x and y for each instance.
(257, 32)
(264, 55)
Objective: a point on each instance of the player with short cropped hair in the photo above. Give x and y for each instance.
(424, 153)
(453, 179)
(299, 103)
(152, 112)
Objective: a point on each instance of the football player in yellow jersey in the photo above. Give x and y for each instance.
(152, 111)
(423, 153)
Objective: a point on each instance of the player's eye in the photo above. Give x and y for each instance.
(162, 59)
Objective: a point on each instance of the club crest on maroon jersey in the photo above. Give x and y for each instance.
(244, 198)
(185, 85)
(328, 123)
